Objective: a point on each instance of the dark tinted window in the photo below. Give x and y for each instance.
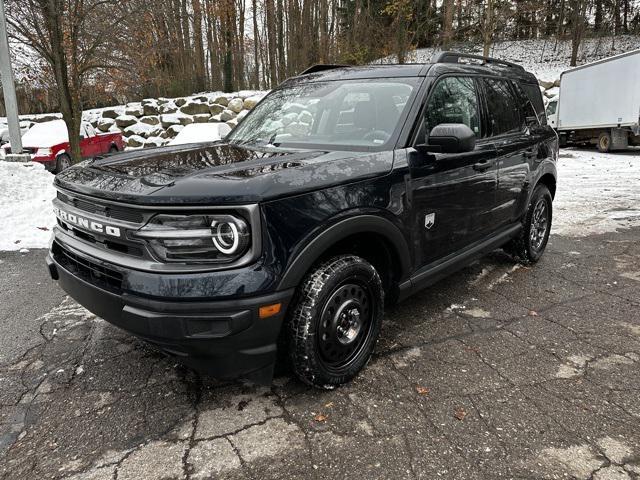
(535, 96)
(503, 107)
(528, 102)
(454, 100)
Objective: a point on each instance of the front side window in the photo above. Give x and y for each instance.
(453, 100)
(504, 113)
(551, 108)
(352, 113)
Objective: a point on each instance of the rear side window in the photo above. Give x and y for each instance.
(504, 112)
(533, 94)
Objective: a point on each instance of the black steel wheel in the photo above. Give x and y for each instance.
(530, 244)
(335, 321)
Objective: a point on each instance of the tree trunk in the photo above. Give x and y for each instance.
(447, 23)
(579, 11)
(67, 96)
(200, 79)
(271, 39)
(487, 31)
(256, 41)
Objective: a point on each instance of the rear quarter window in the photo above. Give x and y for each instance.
(535, 96)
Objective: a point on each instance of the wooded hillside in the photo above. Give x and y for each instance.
(115, 51)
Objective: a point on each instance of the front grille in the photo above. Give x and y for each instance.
(102, 277)
(119, 213)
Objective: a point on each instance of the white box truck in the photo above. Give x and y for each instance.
(599, 104)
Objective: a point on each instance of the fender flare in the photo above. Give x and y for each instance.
(307, 256)
(545, 168)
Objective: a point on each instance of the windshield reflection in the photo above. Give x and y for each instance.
(354, 113)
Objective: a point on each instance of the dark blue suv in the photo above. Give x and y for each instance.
(346, 188)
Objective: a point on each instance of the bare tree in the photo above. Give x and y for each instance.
(72, 36)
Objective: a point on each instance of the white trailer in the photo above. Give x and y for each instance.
(599, 103)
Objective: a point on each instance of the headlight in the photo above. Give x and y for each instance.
(197, 238)
(43, 152)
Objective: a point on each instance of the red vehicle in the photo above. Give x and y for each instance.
(48, 143)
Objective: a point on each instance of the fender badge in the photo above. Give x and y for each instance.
(429, 220)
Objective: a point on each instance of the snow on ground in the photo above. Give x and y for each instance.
(26, 216)
(546, 58)
(597, 192)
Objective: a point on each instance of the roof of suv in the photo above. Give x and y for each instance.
(445, 62)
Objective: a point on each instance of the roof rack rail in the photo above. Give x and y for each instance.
(321, 67)
(454, 57)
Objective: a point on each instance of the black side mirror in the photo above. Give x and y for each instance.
(450, 138)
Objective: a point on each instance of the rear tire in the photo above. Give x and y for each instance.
(604, 142)
(530, 244)
(63, 161)
(335, 321)
(113, 149)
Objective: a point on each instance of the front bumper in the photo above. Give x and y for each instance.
(223, 338)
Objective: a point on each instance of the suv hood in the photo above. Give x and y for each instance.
(217, 173)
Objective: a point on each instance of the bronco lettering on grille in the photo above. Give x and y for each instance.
(86, 223)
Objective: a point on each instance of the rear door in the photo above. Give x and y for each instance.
(514, 145)
(452, 195)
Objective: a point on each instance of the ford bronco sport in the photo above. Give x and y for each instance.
(344, 189)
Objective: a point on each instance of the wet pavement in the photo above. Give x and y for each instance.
(499, 371)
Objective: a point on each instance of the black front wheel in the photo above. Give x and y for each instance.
(335, 322)
(536, 227)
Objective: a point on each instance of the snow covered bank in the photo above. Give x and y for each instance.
(26, 216)
(597, 192)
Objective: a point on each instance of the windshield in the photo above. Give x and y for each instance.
(551, 108)
(350, 113)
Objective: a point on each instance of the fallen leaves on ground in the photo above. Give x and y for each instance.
(321, 417)
(460, 413)
(422, 390)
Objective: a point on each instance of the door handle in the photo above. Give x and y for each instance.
(481, 166)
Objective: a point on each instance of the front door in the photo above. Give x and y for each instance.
(452, 195)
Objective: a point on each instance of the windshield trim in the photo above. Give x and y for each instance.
(391, 144)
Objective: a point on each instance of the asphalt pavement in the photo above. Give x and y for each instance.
(499, 371)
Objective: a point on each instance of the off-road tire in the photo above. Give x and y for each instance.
(319, 294)
(522, 247)
(63, 161)
(604, 142)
